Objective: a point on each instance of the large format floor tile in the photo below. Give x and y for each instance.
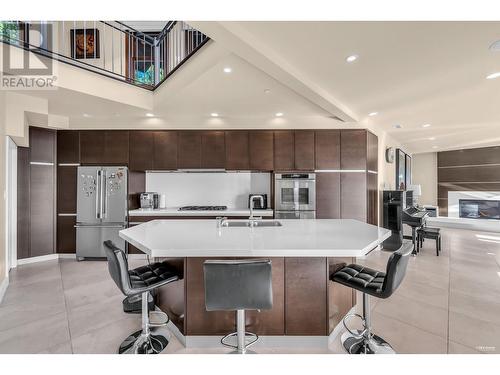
(449, 303)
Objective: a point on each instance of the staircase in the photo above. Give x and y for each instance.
(109, 48)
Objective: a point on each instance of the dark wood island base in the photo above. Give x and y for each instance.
(305, 301)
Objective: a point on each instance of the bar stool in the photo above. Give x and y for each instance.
(140, 281)
(429, 233)
(377, 284)
(238, 285)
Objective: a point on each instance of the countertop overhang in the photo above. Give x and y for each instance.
(295, 238)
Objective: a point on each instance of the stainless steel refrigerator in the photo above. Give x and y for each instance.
(102, 209)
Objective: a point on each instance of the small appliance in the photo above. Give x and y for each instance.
(257, 204)
(150, 200)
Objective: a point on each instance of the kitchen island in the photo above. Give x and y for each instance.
(303, 253)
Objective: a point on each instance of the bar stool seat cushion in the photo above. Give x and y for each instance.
(360, 278)
(150, 274)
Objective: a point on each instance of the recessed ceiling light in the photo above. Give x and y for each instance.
(371, 114)
(150, 115)
(279, 114)
(351, 58)
(434, 146)
(397, 126)
(86, 115)
(493, 75)
(267, 91)
(432, 138)
(227, 69)
(426, 125)
(214, 114)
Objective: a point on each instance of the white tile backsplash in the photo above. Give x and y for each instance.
(224, 189)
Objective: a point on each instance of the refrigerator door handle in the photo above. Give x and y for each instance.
(103, 194)
(98, 196)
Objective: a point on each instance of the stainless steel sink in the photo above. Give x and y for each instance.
(251, 223)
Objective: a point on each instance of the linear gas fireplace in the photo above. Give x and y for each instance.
(479, 209)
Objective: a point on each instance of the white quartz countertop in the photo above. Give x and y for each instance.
(295, 238)
(174, 211)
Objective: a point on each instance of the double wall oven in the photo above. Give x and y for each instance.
(295, 195)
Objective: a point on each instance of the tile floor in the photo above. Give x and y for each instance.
(446, 304)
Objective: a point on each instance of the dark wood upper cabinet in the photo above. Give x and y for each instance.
(213, 149)
(327, 149)
(42, 145)
(328, 195)
(104, 147)
(353, 149)
(116, 147)
(189, 150)
(165, 150)
(304, 150)
(372, 152)
(261, 150)
(284, 150)
(68, 146)
(92, 147)
(237, 153)
(141, 150)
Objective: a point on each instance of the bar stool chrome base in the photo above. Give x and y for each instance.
(372, 345)
(243, 339)
(137, 343)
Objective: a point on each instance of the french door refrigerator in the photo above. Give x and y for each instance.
(101, 210)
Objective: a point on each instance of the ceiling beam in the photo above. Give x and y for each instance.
(234, 37)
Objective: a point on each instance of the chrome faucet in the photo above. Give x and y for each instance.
(252, 199)
(220, 221)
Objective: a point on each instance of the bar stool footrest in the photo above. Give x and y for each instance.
(248, 335)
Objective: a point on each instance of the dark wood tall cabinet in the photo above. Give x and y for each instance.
(36, 196)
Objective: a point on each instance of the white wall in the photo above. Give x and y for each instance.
(220, 189)
(3, 216)
(425, 174)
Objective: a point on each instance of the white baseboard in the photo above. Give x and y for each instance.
(3, 288)
(42, 258)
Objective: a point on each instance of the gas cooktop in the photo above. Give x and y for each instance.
(203, 208)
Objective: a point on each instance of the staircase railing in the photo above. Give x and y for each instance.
(110, 48)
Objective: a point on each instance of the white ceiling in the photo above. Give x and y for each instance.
(411, 73)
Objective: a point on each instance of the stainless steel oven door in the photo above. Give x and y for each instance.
(295, 215)
(295, 195)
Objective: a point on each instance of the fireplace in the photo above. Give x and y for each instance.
(479, 209)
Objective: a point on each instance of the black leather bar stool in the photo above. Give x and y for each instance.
(140, 281)
(238, 285)
(371, 283)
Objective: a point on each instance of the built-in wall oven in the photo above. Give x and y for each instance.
(295, 195)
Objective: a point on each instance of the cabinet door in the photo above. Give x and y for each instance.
(306, 296)
(353, 198)
(328, 195)
(213, 149)
(237, 157)
(353, 149)
(140, 153)
(42, 145)
(66, 189)
(66, 234)
(92, 147)
(327, 149)
(372, 152)
(189, 150)
(116, 147)
(261, 150)
(165, 150)
(68, 146)
(284, 150)
(304, 150)
(23, 202)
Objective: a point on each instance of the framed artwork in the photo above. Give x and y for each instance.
(85, 44)
(403, 170)
(407, 170)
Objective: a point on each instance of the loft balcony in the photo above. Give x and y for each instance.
(110, 48)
